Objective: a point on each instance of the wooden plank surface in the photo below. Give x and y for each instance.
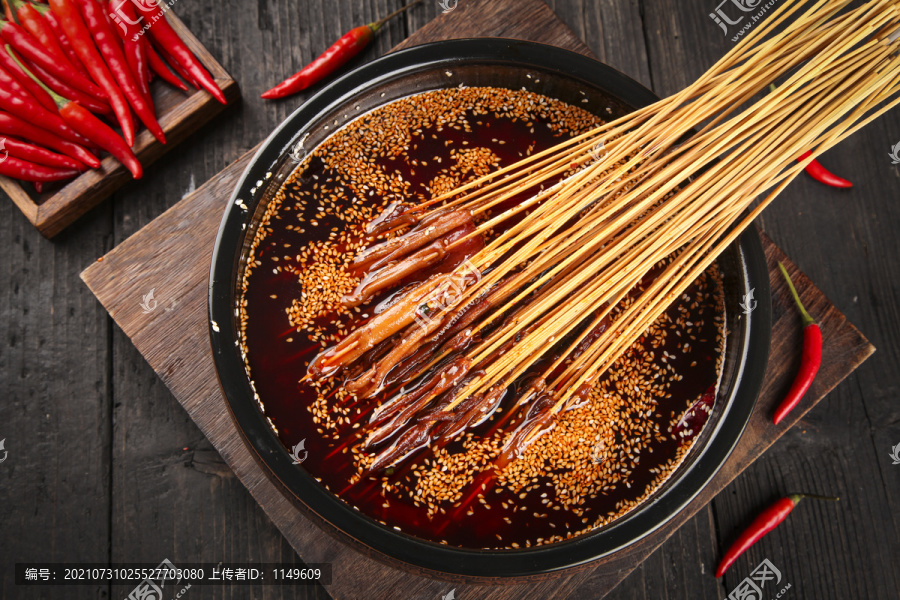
(158, 256)
(179, 115)
(59, 355)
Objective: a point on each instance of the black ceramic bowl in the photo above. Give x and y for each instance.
(482, 62)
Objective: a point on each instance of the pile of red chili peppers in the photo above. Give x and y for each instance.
(65, 65)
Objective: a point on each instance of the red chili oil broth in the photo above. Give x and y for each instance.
(277, 366)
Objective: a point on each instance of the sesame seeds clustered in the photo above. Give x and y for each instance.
(599, 461)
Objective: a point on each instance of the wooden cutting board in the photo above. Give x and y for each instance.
(171, 257)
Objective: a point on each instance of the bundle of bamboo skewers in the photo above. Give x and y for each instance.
(677, 180)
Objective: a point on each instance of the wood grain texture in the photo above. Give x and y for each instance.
(60, 355)
(170, 340)
(179, 114)
(533, 21)
(54, 481)
(842, 239)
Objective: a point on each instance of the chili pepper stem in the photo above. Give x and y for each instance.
(807, 320)
(376, 25)
(57, 99)
(795, 498)
(13, 7)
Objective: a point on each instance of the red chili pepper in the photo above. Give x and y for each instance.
(12, 125)
(134, 46)
(101, 134)
(106, 17)
(333, 58)
(44, 80)
(136, 55)
(16, 100)
(173, 64)
(107, 42)
(761, 525)
(176, 66)
(159, 66)
(12, 87)
(81, 39)
(815, 169)
(27, 171)
(89, 102)
(821, 174)
(64, 43)
(98, 132)
(31, 19)
(10, 64)
(38, 155)
(163, 33)
(36, 91)
(809, 363)
(26, 45)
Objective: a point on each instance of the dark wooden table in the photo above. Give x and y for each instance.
(104, 465)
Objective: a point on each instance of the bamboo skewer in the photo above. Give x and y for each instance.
(595, 226)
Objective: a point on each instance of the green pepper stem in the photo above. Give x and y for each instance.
(807, 320)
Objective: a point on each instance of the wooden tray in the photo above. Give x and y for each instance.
(171, 257)
(179, 114)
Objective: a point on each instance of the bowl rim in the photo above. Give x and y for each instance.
(392, 545)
